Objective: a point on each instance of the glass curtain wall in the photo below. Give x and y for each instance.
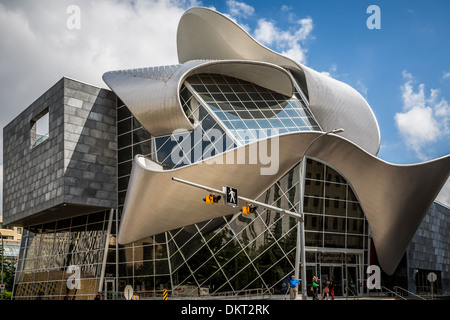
(248, 111)
(337, 232)
(49, 250)
(239, 254)
(230, 255)
(227, 112)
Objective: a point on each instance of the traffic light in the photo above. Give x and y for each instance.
(211, 199)
(250, 208)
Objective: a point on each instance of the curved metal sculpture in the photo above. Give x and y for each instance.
(152, 94)
(206, 34)
(156, 204)
(394, 197)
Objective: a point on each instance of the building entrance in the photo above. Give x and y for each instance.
(332, 272)
(110, 289)
(345, 268)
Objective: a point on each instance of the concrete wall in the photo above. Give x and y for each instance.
(74, 168)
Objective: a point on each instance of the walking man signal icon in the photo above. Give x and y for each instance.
(231, 197)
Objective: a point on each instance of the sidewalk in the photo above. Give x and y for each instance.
(341, 298)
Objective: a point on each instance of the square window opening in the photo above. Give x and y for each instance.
(40, 129)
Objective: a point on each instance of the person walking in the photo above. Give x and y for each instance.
(98, 296)
(293, 284)
(332, 288)
(326, 288)
(315, 286)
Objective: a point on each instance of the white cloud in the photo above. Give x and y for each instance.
(331, 71)
(37, 48)
(446, 75)
(333, 67)
(290, 43)
(424, 119)
(285, 8)
(266, 32)
(362, 88)
(240, 9)
(296, 53)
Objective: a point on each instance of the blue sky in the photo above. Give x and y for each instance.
(411, 49)
(402, 69)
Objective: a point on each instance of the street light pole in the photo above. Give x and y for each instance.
(300, 254)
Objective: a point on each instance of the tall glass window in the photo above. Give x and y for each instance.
(237, 254)
(251, 112)
(49, 250)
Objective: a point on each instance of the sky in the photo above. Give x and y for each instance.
(401, 67)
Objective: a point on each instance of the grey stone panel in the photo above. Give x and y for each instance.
(33, 179)
(90, 146)
(75, 165)
(429, 249)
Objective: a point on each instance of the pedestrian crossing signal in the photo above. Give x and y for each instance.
(211, 199)
(251, 208)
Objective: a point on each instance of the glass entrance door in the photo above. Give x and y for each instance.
(329, 272)
(352, 280)
(109, 290)
(310, 272)
(346, 268)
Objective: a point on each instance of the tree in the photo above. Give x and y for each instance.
(9, 269)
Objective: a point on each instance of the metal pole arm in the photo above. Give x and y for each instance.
(261, 204)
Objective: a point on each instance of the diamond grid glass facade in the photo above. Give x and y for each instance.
(239, 253)
(47, 251)
(251, 112)
(228, 112)
(231, 255)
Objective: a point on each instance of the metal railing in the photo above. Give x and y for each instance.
(347, 289)
(395, 294)
(398, 292)
(258, 293)
(244, 294)
(408, 292)
(431, 293)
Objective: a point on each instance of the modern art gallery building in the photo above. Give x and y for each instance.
(109, 185)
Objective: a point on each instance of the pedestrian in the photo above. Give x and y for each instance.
(332, 288)
(98, 296)
(293, 283)
(326, 288)
(315, 286)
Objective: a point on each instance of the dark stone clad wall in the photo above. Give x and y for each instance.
(33, 177)
(90, 146)
(430, 247)
(76, 165)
